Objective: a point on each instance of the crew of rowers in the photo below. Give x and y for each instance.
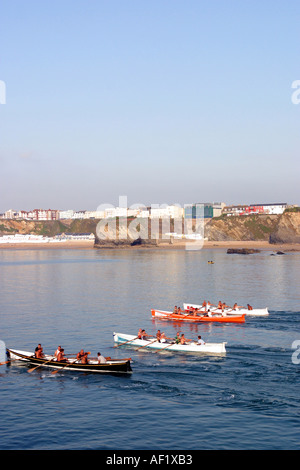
(59, 355)
(162, 338)
(206, 308)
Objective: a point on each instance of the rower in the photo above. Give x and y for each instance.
(224, 305)
(249, 307)
(158, 336)
(182, 339)
(220, 305)
(39, 352)
(175, 309)
(236, 306)
(84, 359)
(101, 359)
(57, 351)
(177, 338)
(61, 356)
(80, 355)
(144, 335)
(140, 333)
(200, 341)
(163, 338)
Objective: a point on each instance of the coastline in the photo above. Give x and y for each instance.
(219, 245)
(46, 246)
(163, 245)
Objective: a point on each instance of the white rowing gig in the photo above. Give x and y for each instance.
(193, 347)
(256, 312)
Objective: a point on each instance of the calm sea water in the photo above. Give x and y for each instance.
(248, 399)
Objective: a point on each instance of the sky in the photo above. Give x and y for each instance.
(162, 101)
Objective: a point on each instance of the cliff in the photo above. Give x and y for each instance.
(280, 229)
(287, 229)
(242, 228)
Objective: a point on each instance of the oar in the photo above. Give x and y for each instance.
(170, 344)
(129, 341)
(2, 363)
(147, 344)
(67, 364)
(42, 364)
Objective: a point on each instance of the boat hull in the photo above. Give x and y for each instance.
(164, 315)
(208, 348)
(256, 312)
(109, 367)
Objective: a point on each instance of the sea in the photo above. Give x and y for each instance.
(246, 399)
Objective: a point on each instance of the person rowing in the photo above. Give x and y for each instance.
(61, 356)
(158, 336)
(182, 339)
(80, 355)
(101, 359)
(144, 335)
(200, 341)
(236, 306)
(224, 305)
(57, 351)
(177, 338)
(39, 352)
(84, 359)
(163, 338)
(249, 307)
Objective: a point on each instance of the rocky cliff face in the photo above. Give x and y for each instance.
(287, 229)
(243, 228)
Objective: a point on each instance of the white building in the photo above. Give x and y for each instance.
(115, 212)
(165, 211)
(78, 215)
(94, 214)
(251, 209)
(68, 214)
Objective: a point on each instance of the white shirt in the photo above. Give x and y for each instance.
(101, 359)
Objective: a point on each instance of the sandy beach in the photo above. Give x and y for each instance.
(47, 246)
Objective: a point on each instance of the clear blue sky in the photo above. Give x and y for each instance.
(165, 101)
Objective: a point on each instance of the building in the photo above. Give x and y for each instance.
(207, 210)
(166, 212)
(48, 214)
(68, 214)
(250, 209)
(277, 208)
(10, 214)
